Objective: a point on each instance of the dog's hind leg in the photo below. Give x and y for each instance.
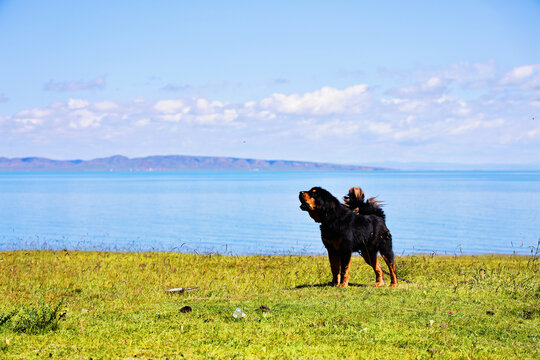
(345, 266)
(335, 265)
(388, 256)
(371, 259)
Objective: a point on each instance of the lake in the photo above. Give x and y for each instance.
(243, 213)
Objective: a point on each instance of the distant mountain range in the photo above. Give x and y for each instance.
(446, 166)
(167, 163)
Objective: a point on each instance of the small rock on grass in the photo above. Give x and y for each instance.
(186, 309)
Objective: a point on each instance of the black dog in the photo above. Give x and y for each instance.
(357, 225)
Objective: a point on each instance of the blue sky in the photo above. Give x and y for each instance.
(345, 82)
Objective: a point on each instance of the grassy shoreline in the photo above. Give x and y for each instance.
(113, 305)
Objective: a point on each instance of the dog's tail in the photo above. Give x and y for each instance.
(355, 200)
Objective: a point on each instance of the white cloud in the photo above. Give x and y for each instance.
(335, 128)
(517, 74)
(379, 127)
(85, 118)
(169, 106)
(461, 108)
(526, 76)
(28, 120)
(32, 117)
(172, 117)
(408, 133)
(142, 122)
(393, 101)
(412, 106)
(105, 106)
(410, 119)
(443, 99)
(204, 105)
(77, 103)
(36, 113)
(432, 83)
(472, 75)
(474, 124)
(325, 101)
(533, 133)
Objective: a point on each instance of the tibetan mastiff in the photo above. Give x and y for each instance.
(357, 225)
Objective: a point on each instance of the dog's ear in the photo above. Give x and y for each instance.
(328, 203)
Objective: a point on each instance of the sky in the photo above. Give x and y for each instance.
(342, 82)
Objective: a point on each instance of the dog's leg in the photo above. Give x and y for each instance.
(371, 259)
(388, 257)
(335, 265)
(345, 266)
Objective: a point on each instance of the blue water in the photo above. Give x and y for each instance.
(258, 212)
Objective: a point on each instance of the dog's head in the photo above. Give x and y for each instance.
(319, 203)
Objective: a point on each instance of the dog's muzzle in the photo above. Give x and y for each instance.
(303, 206)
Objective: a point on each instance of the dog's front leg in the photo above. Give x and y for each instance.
(345, 266)
(335, 265)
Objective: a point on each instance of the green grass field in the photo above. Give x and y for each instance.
(82, 305)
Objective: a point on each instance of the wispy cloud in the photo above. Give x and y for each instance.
(281, 81)
(527, 77)
(176, 88)
(214, 87)
(97, 83)
(433, 85)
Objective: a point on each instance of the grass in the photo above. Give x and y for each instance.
(82, 305)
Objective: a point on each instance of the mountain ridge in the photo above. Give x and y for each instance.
(170, 163)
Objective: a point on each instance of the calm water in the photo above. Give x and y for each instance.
(258, 212)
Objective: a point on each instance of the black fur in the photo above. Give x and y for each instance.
(344, 231)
